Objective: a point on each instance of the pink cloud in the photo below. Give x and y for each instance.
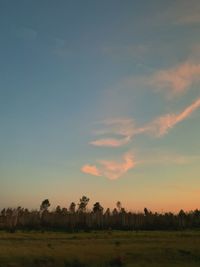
(111, 169)
(178, 79)
(158, 127)
(122, 127)
(110, 142)
(164, 123)
(90, 169)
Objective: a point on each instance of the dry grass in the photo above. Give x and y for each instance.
(142, 249)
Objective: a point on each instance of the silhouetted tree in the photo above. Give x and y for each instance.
(61, 218)
(97, 208)
(45, 205)
(181, 214)
(115, 212)
(83, 204)
(58, 209)
(119, 206)
(64, 211)
(146, 212)
(72, 207)
(3, 212)
(107, 212)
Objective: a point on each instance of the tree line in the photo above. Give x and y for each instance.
(77, 218)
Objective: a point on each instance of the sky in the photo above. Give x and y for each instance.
(100, 98)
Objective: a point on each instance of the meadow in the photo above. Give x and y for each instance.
(100, 248)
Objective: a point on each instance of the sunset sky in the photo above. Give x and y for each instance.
(100, 98)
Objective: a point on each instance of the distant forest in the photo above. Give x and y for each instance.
(79, 218)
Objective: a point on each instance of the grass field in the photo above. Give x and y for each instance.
(50, 249)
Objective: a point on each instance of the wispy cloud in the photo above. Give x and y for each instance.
(163, 124)
(187, 13)
(90, 169)
(111, 169)
(176, 80)
(110, 142)
(114, 170)
(123, 128)
(173, 81)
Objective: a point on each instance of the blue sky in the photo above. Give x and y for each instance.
(100, 98)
